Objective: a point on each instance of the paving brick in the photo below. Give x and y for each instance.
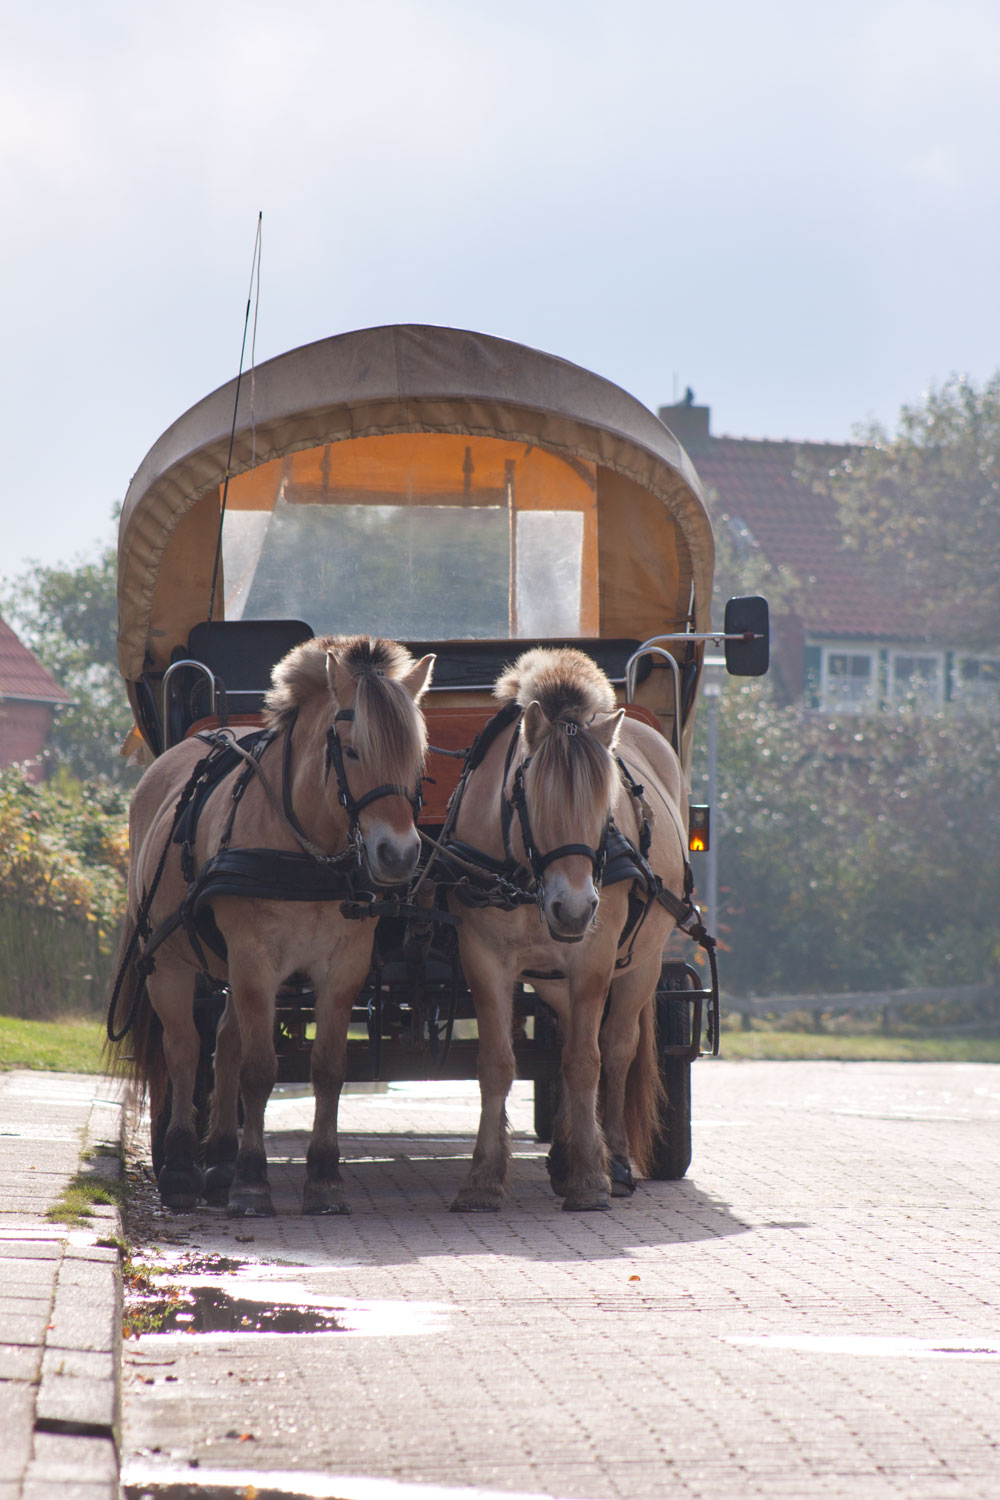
(515, 1353)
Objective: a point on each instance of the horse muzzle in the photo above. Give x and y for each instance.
(569, 912)
(391, 857)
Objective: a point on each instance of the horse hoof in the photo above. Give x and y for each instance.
(477, 1201)
(317, 1199)
(622, 1182)
(250, 1203)
(218, 1181)
(589, 1203)
(180, 1187)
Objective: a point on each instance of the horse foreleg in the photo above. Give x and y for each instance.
(252, 996)
(171, 991)
(324, 1191)
(587, 1183)
(222, 1143)
(629, 1078)
(492, 991)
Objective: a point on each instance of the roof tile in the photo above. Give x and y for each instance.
(842, 592)
(22, 674)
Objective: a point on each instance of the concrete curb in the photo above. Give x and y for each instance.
(70, 1277)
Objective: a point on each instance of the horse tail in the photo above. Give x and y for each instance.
(134, 1048)
(644, 1093)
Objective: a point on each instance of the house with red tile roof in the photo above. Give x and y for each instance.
(29, 700)
(851, 636)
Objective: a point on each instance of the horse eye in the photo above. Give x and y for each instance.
(351, 754)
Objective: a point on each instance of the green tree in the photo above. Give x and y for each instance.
(68, 616)
(925, 500)
(63, 864)
(855, 853)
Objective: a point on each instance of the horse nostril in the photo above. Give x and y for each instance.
(392, 858)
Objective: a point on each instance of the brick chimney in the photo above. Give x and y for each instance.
(688, 423)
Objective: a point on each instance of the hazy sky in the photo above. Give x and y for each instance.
(792, 208)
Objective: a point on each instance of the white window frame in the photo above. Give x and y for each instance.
(833, 702)
(975, 699)
(921, 700)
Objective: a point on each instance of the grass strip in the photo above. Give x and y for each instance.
(69, 1046)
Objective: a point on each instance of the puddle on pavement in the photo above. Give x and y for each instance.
(209, 1309)
(872, 1345)
(205, 1307)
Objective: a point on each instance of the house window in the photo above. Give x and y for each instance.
(917, 679)
(848, 680)
(976, 682)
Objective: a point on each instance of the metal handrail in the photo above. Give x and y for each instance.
(174, 666)
(652, 648)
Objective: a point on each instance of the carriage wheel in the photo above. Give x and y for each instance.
(672, 1147)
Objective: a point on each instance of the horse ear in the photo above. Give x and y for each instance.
(534, 724)
(606, 729)
(341, 681)
(418, 678)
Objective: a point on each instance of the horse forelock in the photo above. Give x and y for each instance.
(565, 682)
(573, 774)
(389, 730)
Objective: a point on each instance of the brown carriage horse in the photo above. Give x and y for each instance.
(567, 771)
(249, 888)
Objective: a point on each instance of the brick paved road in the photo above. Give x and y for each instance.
(814, 1311)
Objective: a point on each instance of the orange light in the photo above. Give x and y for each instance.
(698, 827)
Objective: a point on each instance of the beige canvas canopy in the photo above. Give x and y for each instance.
(470, 436)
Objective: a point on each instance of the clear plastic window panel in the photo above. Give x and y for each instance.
(410, 571)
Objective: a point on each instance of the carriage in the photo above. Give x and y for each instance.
(468, 497)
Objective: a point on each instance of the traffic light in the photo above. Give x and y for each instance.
(699, 822)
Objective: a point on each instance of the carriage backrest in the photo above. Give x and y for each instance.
(239, 655)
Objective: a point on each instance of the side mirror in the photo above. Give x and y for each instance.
(748, 656)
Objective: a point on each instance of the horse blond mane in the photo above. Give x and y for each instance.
(564, 681)
(570, 770)
(389, 733)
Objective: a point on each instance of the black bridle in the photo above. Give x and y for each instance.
(355, 806)
(517, 804)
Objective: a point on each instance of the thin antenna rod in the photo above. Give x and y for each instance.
(254, 270)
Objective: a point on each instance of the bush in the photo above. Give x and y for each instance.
(63, 873)
(855, 853)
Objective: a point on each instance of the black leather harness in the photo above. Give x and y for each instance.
(251, 873)
(479, 879)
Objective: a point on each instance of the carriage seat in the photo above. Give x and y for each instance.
(474, 666)
(240, 655)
